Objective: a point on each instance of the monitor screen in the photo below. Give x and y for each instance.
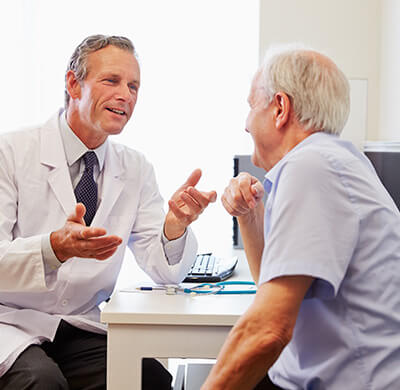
(387, 165)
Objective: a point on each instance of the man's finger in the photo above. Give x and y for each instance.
(211, 196)
(193, 179)
(77, 216)
(192, 203)
(176, 210)
(258, 190)
(85, 234)
(97, 245)
(201, 197)
(105, 255)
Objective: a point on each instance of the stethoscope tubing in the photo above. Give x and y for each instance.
(219, 288)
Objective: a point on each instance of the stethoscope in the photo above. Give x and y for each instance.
(206, 288)
(220, 288)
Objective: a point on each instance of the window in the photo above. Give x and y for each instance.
(197, 60)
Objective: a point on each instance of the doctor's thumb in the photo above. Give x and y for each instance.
(80, 211)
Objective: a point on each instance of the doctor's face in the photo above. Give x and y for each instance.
(107, 96)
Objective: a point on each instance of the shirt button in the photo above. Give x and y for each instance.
(64, 302)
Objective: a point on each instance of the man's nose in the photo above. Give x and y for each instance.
(124, 93)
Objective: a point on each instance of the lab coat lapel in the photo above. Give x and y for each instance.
(113, 185)
(53, 156)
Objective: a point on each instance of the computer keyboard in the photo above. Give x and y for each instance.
(208, 268)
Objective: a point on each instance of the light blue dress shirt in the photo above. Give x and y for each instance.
(328, 216)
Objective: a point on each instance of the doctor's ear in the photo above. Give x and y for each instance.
(73, 85)
(282, 109)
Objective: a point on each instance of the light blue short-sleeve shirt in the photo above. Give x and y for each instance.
(328, 216)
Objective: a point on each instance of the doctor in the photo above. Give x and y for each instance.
(71, 201)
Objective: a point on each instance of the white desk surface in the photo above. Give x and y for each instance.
(153, 324)
(156, 307)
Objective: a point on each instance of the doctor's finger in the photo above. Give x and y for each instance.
(193, 205)
(77, 216)
(87, 252)
(201, 197)
(193, 178)
(92, 232)
(98, 243)
(179, 214)
(106, 254)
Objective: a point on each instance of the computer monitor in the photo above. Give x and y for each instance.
(386, 160)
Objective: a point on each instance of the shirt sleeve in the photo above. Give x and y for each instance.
(174, 248)
(49, 257)
(313, 226)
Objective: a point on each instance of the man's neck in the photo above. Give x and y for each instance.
(87, 136)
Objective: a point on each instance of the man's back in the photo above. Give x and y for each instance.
(346, 334)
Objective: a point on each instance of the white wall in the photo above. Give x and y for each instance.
(390, 72)
(346, 30)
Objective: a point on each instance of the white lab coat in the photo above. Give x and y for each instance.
(36, 196)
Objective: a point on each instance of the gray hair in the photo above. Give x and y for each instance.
(78, 60)
(317, 88)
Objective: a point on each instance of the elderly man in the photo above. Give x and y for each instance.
(71, 201)
(325, 248)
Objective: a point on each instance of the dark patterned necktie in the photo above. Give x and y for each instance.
(86, 189)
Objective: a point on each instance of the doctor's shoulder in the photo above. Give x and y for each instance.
(130, 159)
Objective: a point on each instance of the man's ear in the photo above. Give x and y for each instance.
(282, 109)
(73, 85)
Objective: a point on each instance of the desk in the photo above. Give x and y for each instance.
(153, 324)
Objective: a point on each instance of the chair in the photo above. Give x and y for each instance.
(196, 374)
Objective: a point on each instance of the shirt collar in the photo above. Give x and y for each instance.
(313, 138)
(75, 148)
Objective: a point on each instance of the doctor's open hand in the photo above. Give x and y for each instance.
(243, 194)
(185, 206)
(77, 239)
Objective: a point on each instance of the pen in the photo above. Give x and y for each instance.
(148, 288)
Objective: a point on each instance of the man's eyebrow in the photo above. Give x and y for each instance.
(117, 76)
(109, 74)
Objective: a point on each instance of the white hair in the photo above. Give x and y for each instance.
(317, 88)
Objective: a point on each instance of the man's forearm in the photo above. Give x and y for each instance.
(260, 335)
(252, 231)
(246, 356)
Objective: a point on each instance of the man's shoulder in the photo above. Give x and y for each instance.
(29, 133)
(123, 150)
(329, 152)
(308, 158)
(128, 156)
(21, 137)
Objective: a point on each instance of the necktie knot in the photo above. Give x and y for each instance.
(90, 160)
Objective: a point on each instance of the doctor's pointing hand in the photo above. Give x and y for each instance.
(185, 206)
